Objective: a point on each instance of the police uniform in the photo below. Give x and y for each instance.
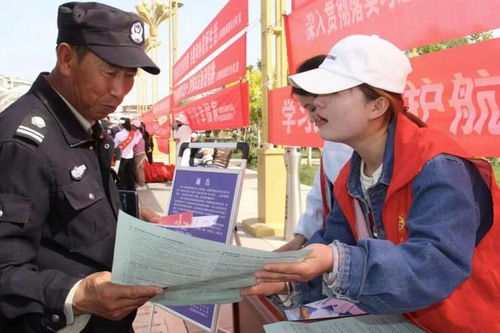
(58, 201)
(58, 205)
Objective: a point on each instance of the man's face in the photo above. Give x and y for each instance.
(97, 87)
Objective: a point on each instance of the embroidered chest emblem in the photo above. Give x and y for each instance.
(402, 221)
(78, 171)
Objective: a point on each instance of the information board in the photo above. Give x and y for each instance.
(206, 191)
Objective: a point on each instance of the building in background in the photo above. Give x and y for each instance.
(11, 88)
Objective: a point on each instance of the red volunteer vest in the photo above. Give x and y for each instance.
(475, 305)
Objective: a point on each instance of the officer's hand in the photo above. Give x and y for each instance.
(148, 215)
(97, 295)
(295, 244)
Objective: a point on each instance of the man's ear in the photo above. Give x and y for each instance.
(379, 107)
(66, 58)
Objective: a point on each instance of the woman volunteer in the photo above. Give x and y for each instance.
(414, 228)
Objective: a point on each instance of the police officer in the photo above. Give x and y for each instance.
(58, 202)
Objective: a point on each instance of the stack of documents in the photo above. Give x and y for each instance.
(192, 270)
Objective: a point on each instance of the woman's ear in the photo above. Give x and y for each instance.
(66, 58)
(378, 107)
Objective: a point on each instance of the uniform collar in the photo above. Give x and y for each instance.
(73, 131)
(87, 125)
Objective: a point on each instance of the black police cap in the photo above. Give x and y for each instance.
(112, 34)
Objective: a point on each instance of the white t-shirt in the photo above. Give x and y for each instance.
(334, 156)
(183, 133)
(121, 136)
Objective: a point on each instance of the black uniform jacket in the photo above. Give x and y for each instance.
(58, 209)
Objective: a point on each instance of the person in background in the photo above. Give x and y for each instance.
(139, 154)
(58, 200)
(194, 153)
(182, 134)
(126, 140)
(333, 157)
(148, 143)
(415, 224)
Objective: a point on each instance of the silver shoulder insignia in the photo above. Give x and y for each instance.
(38, 122)
(33, 129)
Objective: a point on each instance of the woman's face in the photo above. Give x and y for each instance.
(342, 116)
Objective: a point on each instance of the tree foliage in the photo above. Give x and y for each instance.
(474, 38)
(254, 75)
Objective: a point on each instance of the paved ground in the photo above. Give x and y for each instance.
(156, 197)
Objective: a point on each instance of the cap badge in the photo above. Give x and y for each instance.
(38, 122)
(137, 33)
(78, 171)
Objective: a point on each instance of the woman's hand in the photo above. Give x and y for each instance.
(319, 261)
(265, 289)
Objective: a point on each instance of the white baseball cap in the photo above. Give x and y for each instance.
(181, 117)
(136, 123)
(354, 60)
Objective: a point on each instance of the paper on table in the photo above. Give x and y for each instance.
(194, 270)
(325, 308)
(358, 324)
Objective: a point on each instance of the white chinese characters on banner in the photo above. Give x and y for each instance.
(296, 116)
(211, 37)
(340, 14)
(473, 100)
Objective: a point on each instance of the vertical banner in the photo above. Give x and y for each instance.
(314, 27)
(457, 90)
(289, 122)
(227, 67)
(225, 109)
(229, 21)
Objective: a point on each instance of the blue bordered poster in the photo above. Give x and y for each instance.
(205, 191)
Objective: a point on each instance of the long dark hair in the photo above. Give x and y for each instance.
(126, 123)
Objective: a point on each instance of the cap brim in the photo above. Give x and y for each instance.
(320, 81)
(125, 56)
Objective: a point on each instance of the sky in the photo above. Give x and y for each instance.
(30, 30)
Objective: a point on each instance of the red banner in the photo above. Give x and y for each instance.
(225, 109)
(457, 91)
(163, 107)
(162, 145)
(156, 120)
(147, 118)
(157, 123)
(289, 122)
(227, 67)
(316, 26)
(296, 4)
(229, 21)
